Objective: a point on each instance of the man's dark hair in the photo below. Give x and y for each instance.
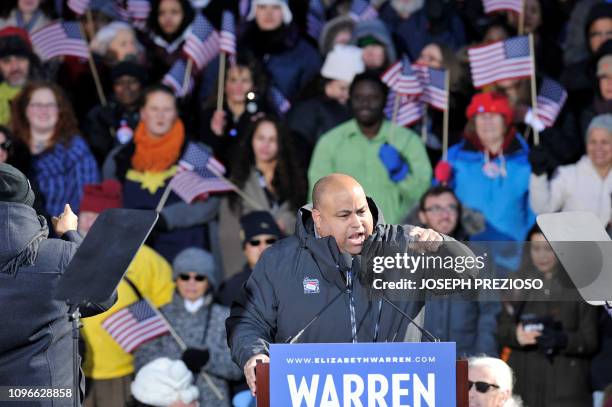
(437, 191)
(158, 87)
(368, 76)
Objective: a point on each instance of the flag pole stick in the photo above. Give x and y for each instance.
(446, 114)
(221, 84)
(521, 27)
(424, 125)
(183, 347)
(187, 76)
(534, 100)
(92, 65)
(237, 190)
(163, 199)
(175, 336)
(394, 117)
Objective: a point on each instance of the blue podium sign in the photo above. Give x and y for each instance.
(363, 375)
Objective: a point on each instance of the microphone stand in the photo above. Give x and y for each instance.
(422, 330)
(292, 339)
(74, 316)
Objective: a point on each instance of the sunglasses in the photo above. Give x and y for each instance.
(481, 387)
(6, 145)
(187, 277)
(256, 242)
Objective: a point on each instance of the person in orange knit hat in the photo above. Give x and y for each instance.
(108, 368)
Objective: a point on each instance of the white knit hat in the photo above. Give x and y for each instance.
(287, 15)
(162, 382)
(343, 63)
(603, 121)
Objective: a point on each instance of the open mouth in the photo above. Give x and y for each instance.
(356, 238)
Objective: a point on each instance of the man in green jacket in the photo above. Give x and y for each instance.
(392, 165)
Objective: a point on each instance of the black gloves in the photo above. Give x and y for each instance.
(542, 160)
(195, 359)
(552, 341)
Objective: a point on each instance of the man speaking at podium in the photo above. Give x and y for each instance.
(309, 286)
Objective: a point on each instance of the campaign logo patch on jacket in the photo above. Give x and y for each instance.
(311, 286)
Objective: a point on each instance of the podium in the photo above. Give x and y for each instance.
(263, 383)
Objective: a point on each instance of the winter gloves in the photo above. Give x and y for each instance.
(195, 359)
(552, 341)
(443, 172)
(541, 160)
(396, 166)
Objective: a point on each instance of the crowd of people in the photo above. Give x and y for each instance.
(303, 98)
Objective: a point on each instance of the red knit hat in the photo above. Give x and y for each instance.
(99, 197)
(490, 102)
(12, 31)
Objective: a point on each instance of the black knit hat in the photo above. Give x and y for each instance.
(129, 68)
(599, 10)
(258, 223)
(14, 186)
(14, 45)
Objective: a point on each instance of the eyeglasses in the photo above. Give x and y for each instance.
(43, 106)
(6, 145)
(437, 209)
(256, 242)
(187, 277)
(481, 387)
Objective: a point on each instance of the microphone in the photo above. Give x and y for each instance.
(422, 330)
(292, 339)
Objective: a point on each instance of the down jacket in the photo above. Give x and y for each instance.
(298, 276)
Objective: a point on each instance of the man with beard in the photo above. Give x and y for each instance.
(17, 64)
(471, 324)
(325, 266)
(389, 161)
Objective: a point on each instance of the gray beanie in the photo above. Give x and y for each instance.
(195, 260)
(603, 121)
(14, 186)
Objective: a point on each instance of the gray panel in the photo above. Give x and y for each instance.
(584, 249)
(104, 255)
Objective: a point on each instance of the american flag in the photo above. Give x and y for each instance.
(279, 101)
(78, 6)
(196, 175)
(509, 59)
(410, 109)
(491, 6)
(362, 10)
(134, 325)
(401, 78)
(175, 78)
(315, 19)
(139, 9)
(202, 42)
(551, 99)
(434, 85)
(60, 38)
(227, 42)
